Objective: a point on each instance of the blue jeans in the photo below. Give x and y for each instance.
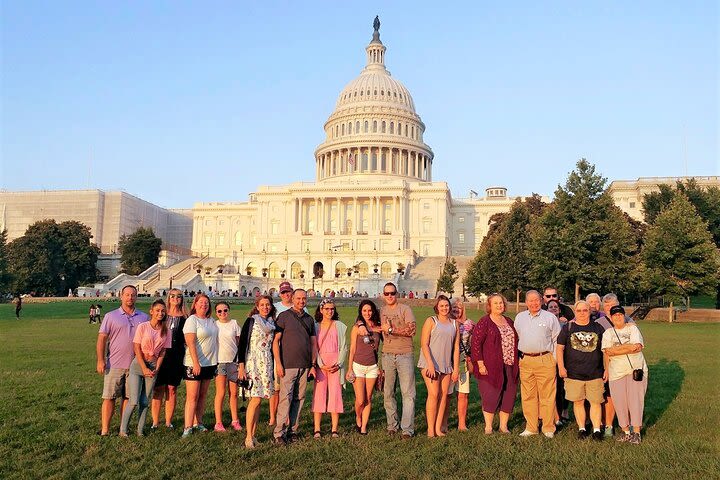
(139, 388)
(401, 367)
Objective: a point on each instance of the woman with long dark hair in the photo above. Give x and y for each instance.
(151, 340)
(363, 361)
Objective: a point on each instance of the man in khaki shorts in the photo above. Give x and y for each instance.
(580, 363)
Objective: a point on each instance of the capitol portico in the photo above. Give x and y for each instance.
(373, 210)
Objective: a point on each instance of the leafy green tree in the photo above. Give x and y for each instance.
(679, 256)
(705, 200)
(583, 242)
(52, 258)
(4, 273)
(446, 281)
(502, 262)
(139, 250)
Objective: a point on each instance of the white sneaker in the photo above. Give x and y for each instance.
(549, 434)
(528, 433)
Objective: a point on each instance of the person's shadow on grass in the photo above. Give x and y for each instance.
(665, 379)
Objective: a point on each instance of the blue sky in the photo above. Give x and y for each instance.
(181, 102)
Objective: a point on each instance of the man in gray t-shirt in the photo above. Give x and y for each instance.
(295, 351)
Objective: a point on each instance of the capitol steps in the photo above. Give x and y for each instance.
(423, 276)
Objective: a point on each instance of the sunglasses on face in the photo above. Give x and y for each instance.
(553, 295)
(225, 310)
(388, 294)
(176, 295)
(286, 291)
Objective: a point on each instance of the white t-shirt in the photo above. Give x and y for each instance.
(619, 366)
(206, 342)
(228, 341)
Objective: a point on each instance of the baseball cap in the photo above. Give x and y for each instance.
(617, 309)
(285, 287)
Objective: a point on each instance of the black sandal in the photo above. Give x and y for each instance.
(317, 434)
(335, 435)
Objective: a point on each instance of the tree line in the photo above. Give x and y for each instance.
(582, 242)
(53, 258)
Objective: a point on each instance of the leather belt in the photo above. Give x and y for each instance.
(535, 354)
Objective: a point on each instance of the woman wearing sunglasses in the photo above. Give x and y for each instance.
(201, 359)
(171, 370)
(227, 373)
(327, 396)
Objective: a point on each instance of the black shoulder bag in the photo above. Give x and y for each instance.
(637, 372)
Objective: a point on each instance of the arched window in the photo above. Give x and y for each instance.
(362, 270)
(382, 128)
(274, 270)
(295, 269)
(342, 129)
(386, 270)
(366, 126)
(251, 269)
(399, 128)
(374, 126)
(349, 128)
(392, 127)
(406, 130)
(357, 127)
(340, 268)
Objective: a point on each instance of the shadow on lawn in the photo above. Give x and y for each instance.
(665, 380)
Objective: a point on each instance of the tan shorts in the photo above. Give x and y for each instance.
(590, 390)
(462, 385)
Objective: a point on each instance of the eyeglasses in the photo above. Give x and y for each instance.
(176, 295)
(387, 294)
(286, 291)
(553, 295)
(225, 310)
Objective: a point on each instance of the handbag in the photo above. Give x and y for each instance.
(380, 381)
(637, 373)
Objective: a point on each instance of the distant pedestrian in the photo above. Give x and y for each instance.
(18, 306)
(98, 313)
(91, 314)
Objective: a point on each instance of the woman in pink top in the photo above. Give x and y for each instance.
(151, 340)
(327, 396)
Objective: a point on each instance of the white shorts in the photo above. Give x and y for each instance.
(462, 385)
(365, 371)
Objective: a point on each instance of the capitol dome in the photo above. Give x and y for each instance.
(374, 129)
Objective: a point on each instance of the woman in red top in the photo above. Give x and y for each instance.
(494, 353)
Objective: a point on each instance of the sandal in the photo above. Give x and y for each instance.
(317, 434)
(335, 435)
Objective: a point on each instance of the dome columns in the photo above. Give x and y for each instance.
(384, 160)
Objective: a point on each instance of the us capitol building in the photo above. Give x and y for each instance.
(373, 214)
(373, 210)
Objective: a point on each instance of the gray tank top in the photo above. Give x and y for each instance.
(442, 341)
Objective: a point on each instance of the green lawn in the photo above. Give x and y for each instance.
(50, 398)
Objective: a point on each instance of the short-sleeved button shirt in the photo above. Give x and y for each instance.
(120, 327)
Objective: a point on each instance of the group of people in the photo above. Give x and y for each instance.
(590, 356)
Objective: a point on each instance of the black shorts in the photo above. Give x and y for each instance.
(206, 373)
(171, 372)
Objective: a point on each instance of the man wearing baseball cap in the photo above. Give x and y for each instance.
(285, 302)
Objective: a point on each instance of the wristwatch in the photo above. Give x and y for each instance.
(390, 330)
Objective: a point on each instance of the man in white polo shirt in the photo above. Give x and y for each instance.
(537, 331)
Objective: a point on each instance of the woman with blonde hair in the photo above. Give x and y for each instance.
(439, 362)
(494, 354)
(463, 384)
(201, 360)
(170, 371)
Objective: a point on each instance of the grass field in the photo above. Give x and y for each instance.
(50, 398)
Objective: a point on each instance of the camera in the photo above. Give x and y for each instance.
(367, 339)
(245, 383)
